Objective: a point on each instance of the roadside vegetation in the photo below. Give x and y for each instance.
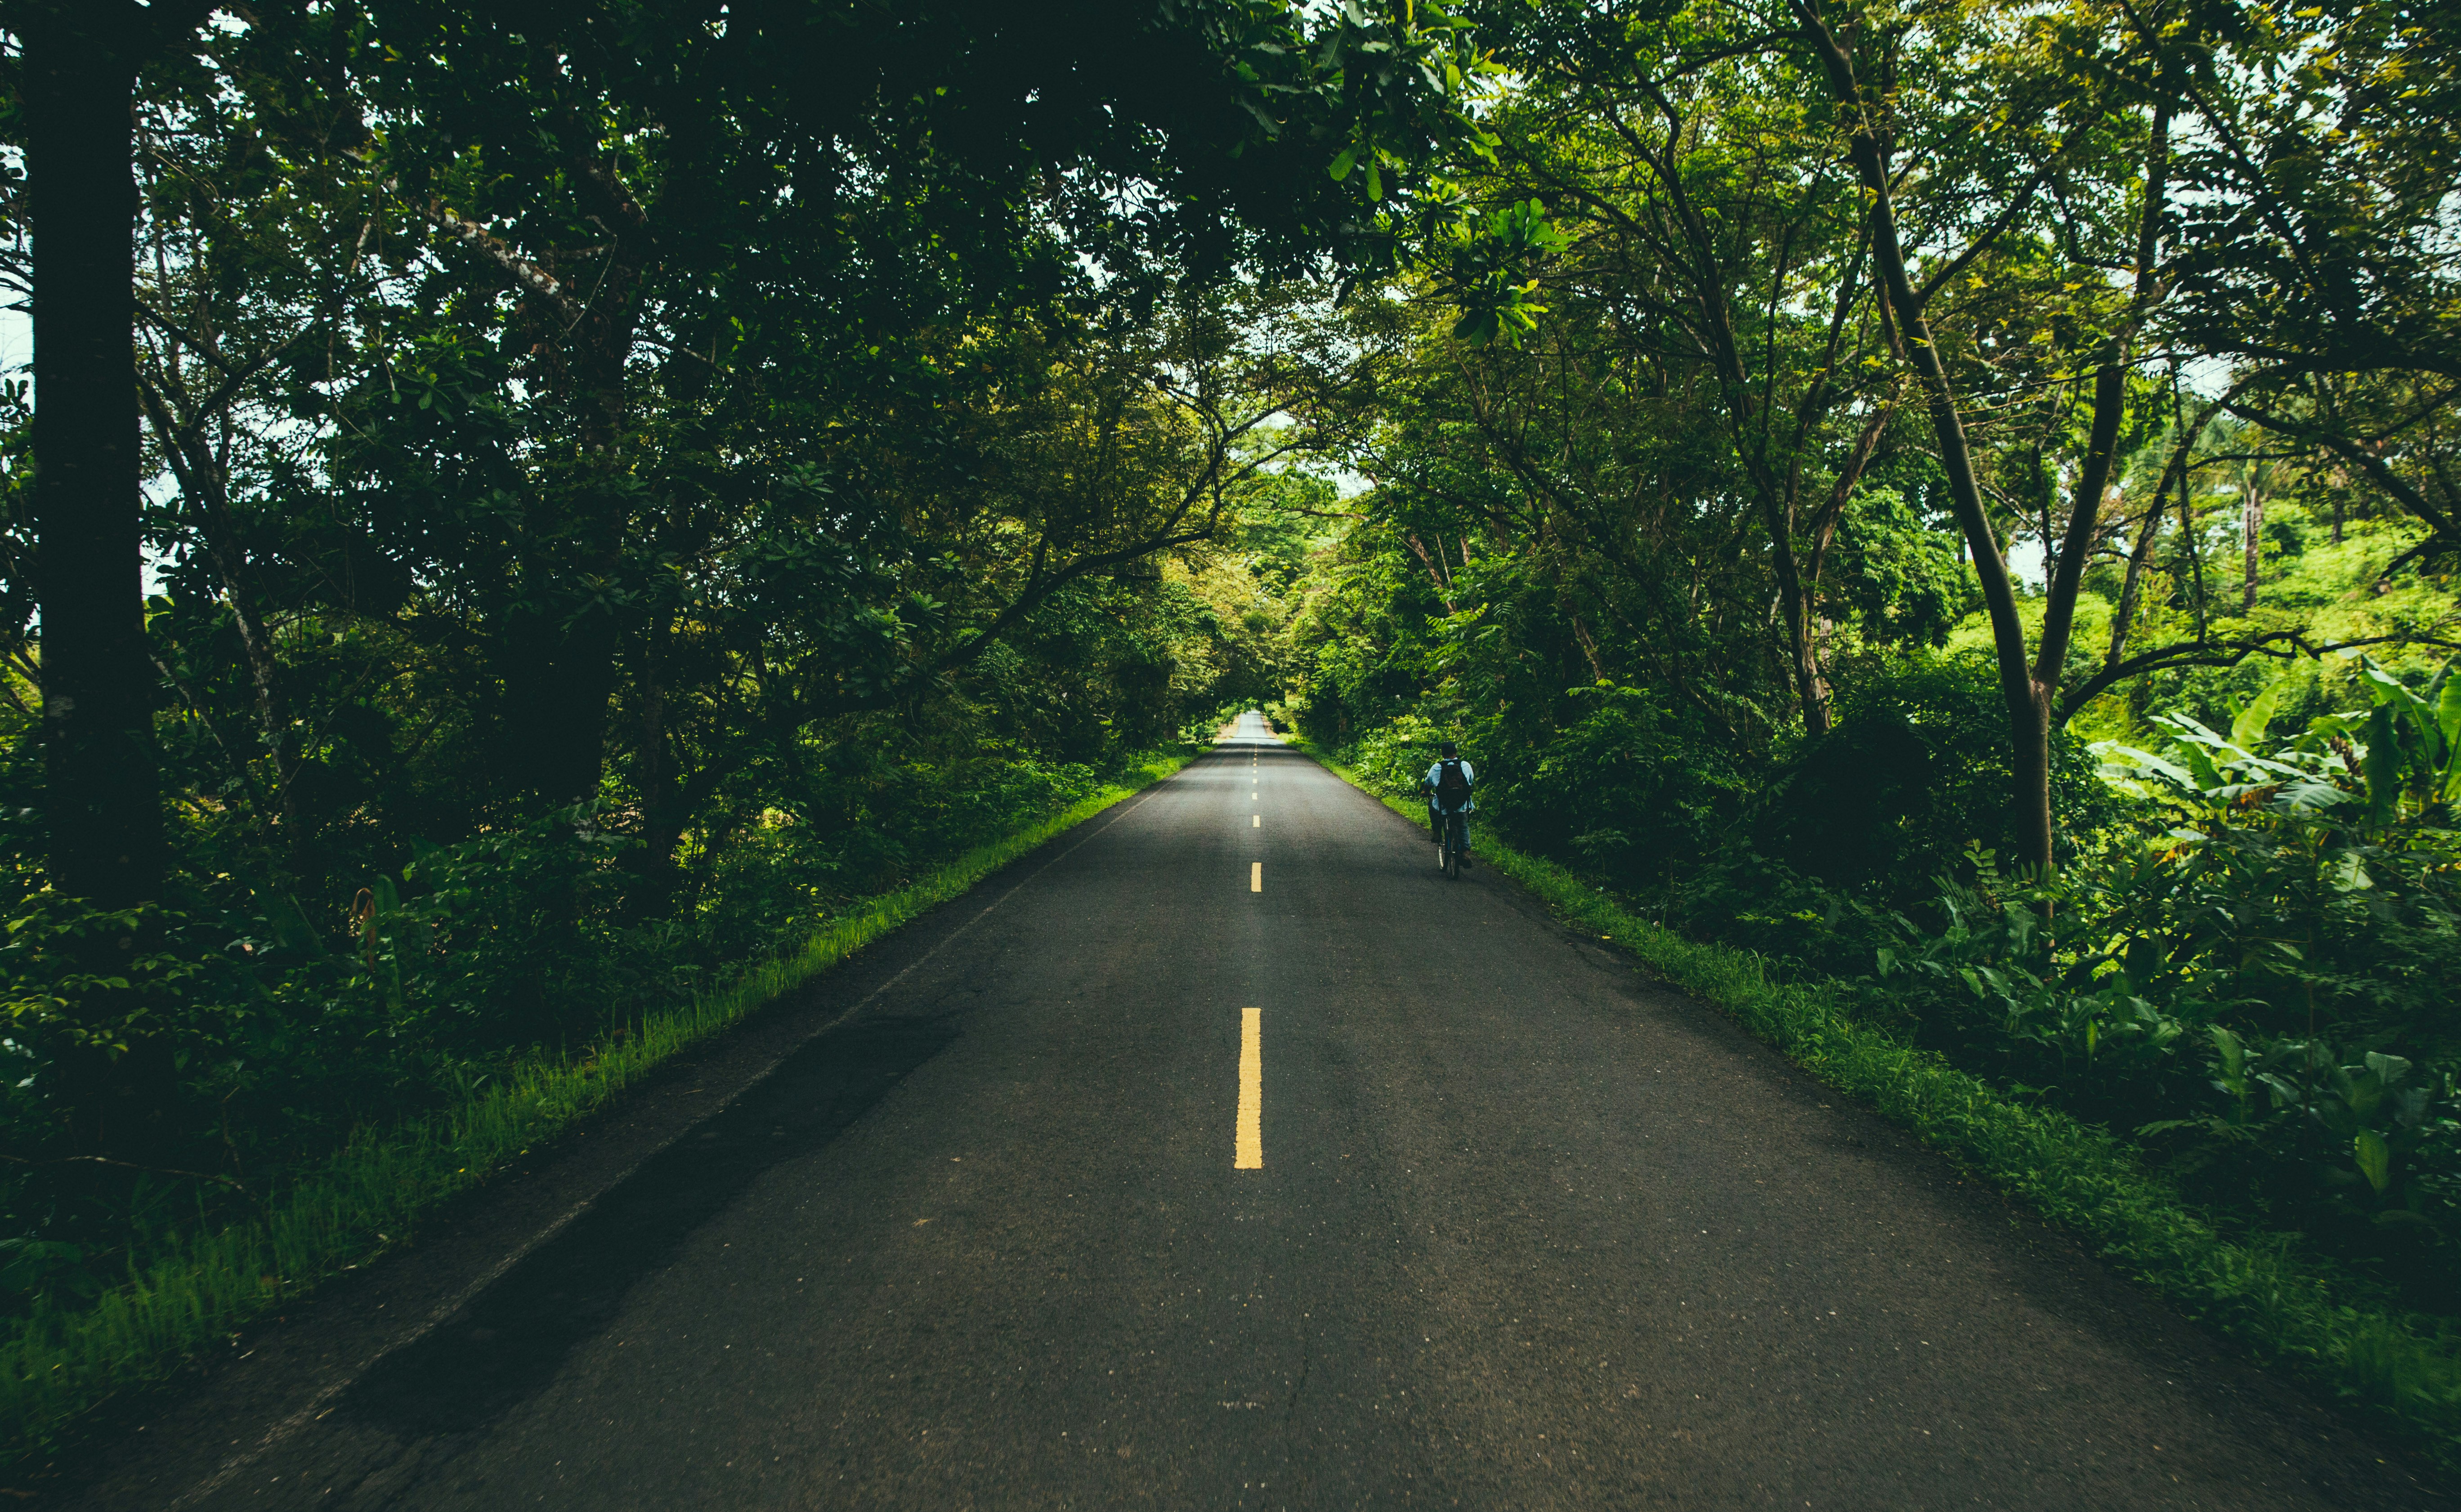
(1952, 504)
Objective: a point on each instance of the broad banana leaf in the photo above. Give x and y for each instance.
(2447, 724)
(2248, 725)
(2382, 764)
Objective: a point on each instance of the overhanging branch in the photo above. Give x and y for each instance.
(528, 275)
(2279, 645)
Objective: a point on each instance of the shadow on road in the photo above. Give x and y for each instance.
(510, 1342)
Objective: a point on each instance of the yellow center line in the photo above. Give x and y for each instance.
(1257, 874)
(1250, 1154)
(1256, 822)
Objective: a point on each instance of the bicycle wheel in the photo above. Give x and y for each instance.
(1452, 850)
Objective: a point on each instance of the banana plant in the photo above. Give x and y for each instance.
(1995, 950)
(2399, 759)
(2411, 760)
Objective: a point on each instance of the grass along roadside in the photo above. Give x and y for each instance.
(2403, 1369)
(197, 1290)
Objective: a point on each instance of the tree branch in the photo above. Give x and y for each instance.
(528, 275)
(2280, 644)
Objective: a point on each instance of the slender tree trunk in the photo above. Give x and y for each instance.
(2028, 711)
(203, 476)
(1588, 649)
(2252, 536)
(2029, 692)
(103, 803)
(2093, 478)
(2123, 619)
(664, 811)
(565, 653)
(1809, 688)
(1777, 499)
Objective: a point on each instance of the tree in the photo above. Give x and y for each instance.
(2029, 685)
(77, 68)
(1693, 176)
(606, 165)
(2316, 216)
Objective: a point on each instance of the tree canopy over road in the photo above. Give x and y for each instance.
(516, 511)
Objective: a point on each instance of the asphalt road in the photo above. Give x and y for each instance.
(1523, 1232)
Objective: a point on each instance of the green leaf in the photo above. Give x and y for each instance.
(1341, 166)
(2386, 688)
(2208, 776)
(2382, 766)
(2447, 724)
(2232, 1052)
(2248, 725)
(2119, 761)
(2375, 1161)
(2143, 961)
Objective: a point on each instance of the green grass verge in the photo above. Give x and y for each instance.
(195, 1290)
(2403, 1369)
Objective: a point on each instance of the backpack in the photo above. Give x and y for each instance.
(1452, 788)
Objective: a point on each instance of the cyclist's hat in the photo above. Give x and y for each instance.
(1449, 749)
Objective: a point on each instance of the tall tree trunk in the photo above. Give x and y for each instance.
(567, 670)
(2028, 710)
(1810, 689)
(2029, 692)
(2252, 536)
(102, 782)
(664, 811)
(204, 474)
(102, 803)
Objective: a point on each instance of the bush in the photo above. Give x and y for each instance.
(1915, 773)
(2261, 987)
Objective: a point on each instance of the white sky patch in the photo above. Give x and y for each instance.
(17, 361)
(2025, 562)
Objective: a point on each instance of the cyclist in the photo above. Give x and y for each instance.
(1447, 787)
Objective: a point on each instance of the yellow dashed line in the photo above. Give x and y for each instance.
(1248, 1153)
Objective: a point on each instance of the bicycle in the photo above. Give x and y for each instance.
(1456, 844)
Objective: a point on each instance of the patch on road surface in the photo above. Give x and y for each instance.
(512, 1341)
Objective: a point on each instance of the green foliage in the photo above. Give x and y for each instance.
(1492, 274)
(2256, 987)
(84, 981)
(1899, 572)
(1625, 769)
